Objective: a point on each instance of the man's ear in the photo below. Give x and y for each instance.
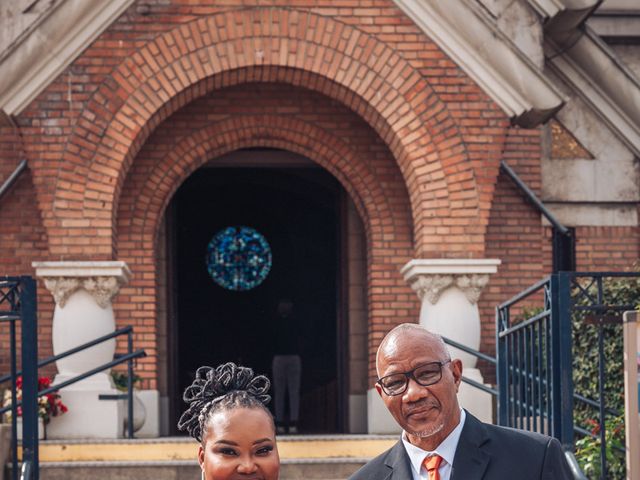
(378, 389)
(456, 370)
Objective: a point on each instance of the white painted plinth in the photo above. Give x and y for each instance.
(81, 321)
(479, 403)
(454, 317)
(41, 429)
(151, 426)
(83, 292)
(379, 419)
(87, 416)
(357, 414)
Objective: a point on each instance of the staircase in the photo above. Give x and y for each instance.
(326, 457)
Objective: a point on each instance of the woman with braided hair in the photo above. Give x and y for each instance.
(227, 414)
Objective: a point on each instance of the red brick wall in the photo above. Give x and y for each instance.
(423, 144)
(382, 67)
(515, 233)
(22, 240)
(607, 248)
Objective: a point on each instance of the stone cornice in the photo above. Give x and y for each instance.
(573, 53)
(102, 280)
(577, 56)
(488, 57)
(564, 15)
(593, 71)
(547, 8)
(38, 56)
(116, 268)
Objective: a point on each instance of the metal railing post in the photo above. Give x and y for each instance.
(28, 308)
(601, 390)
(631, 410)
(501, 369)
(561, 346)
(556, 404)
(14, 400)
(130, 386)
(566, 359)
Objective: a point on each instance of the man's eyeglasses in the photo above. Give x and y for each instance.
(425, 375)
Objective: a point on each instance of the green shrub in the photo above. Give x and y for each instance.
(588, 450)
(120, 380)
(616, 292)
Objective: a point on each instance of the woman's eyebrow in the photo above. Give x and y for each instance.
(262, 440)
(226, 442)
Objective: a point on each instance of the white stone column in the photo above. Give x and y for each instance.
(83, 292)
(449, 290)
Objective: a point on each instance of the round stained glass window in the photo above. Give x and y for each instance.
(238, 258)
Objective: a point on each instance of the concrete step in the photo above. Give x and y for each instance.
(175, 470)
(307, 457)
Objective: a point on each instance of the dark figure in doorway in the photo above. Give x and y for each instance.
(287, 366)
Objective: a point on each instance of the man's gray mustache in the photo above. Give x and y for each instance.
(421, 405)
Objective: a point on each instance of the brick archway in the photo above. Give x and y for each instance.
(267, 44)
(152, 182)
(162, 179)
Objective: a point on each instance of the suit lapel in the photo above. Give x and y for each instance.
(470, 461)
(398, 463)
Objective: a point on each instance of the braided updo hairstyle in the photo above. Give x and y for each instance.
(225, 387)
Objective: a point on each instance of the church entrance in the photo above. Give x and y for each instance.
(224, 302)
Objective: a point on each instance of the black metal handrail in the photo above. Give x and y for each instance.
(54, 388)
(476, 354)
(6, 185)
(532, 197)
(71, 351)
(26, 473)
(128, 357)
(574, 466)
(469, 350)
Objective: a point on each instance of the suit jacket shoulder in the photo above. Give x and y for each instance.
(493, 452)
(393, 464)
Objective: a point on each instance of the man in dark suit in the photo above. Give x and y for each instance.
(418, 382)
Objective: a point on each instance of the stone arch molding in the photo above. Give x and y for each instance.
(255, 44)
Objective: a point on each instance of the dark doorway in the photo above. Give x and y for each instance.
(297, 210)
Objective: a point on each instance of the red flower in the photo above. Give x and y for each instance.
(49, 405)
(595, 426)
(44, 382)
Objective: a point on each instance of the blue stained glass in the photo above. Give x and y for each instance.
(238, 258)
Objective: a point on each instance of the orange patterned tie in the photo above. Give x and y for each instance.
(432, 464)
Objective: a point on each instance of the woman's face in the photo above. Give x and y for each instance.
(240, 444)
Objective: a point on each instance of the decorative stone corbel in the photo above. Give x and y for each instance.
(430, 287)
(102, 289)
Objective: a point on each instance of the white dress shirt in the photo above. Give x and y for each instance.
(447, 450)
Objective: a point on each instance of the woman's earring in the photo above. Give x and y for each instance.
(202, 476)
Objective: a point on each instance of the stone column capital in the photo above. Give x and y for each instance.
(430, 277)
(102, 280)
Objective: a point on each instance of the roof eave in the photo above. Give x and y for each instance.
(489, 58)
(30, 63)
(594, 72)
